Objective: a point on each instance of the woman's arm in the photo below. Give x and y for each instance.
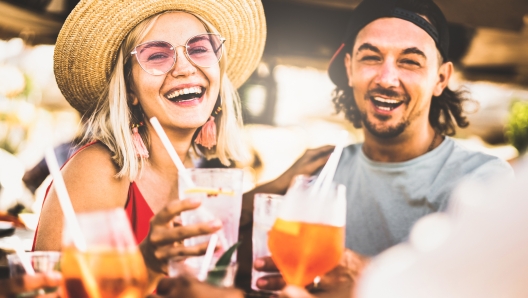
(91, 183)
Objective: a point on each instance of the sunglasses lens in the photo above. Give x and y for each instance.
(156, 57)
(205, 49)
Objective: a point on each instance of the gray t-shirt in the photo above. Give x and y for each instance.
(384, 200)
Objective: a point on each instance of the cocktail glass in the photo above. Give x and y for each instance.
(111, 266)
(265, 211)
(307, 239)
(220, 191)
(41, 261)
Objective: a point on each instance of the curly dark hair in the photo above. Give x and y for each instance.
(446, 109)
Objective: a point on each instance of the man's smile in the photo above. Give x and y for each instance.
(385, 104)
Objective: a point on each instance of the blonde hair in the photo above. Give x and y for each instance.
(113, 117)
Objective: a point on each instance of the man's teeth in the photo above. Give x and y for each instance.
(386, 100)
(384, 108)
(196, 90)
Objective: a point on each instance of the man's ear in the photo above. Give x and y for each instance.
(348, 67)
(444, 74)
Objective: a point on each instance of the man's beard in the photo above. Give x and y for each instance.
(387, 133)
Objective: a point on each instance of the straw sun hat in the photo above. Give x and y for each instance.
(88, 43)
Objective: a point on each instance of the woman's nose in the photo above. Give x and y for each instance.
(182, 66)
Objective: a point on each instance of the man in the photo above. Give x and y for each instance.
(391, 74)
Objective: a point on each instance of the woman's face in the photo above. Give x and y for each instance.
(184, 97)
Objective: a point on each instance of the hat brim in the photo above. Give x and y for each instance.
(88, 43)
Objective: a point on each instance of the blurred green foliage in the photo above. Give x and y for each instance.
(517, 126)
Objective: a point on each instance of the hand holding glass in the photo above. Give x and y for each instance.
(220, 191)
(266, 207)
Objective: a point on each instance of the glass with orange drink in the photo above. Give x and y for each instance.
(111, 266)
(308, 238)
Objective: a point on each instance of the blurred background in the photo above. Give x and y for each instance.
(287, 101)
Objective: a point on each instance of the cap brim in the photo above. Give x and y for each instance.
(336, 68)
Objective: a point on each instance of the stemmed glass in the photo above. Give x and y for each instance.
(111, 266)
(307, 239)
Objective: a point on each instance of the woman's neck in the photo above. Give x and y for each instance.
(159, 157)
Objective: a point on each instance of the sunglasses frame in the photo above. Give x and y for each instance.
(185, 46)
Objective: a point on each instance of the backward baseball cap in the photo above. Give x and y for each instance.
(409, 10)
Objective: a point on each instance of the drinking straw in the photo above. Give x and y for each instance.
(208, 257)
(172, 153)
(22, 256)
(338, 150)
(324, 180)
(64, 200)
(71, 222)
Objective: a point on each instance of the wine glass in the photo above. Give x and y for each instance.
(307, 239)
(111, 266)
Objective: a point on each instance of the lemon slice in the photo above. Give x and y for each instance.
(211, 191)
(287, 227)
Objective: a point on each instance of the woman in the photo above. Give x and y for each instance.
(119, 63)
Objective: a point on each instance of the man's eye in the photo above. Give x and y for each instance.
(410, 62)
(370, 58)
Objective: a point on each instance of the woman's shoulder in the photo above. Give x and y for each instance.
(92, 173)
(94, 156)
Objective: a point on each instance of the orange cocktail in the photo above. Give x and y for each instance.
(304, 250)
(105, 261)
(103, 274)
(308, 237)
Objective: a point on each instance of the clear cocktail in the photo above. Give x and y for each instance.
(220, 191)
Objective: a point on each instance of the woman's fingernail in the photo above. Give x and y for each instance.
(258, 263)
(216, 223)
(54, 275)
(195, 200)
(262, 283)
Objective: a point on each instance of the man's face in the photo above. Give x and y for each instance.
(394, 70)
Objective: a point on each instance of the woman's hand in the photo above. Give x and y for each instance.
(165, 238)
(26, 283)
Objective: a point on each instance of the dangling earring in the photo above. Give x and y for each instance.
(207, 135)
(139, 145)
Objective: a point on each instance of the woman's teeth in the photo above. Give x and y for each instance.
(186, 94)
(191, 90)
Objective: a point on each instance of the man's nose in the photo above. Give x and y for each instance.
(388, 75)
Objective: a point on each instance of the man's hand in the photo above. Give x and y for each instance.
(188, 287)
(26, 283)
(311, 161)
(340, 280)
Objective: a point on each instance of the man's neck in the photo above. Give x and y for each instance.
(402, 148)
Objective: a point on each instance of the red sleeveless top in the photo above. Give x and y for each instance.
(137, 209)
